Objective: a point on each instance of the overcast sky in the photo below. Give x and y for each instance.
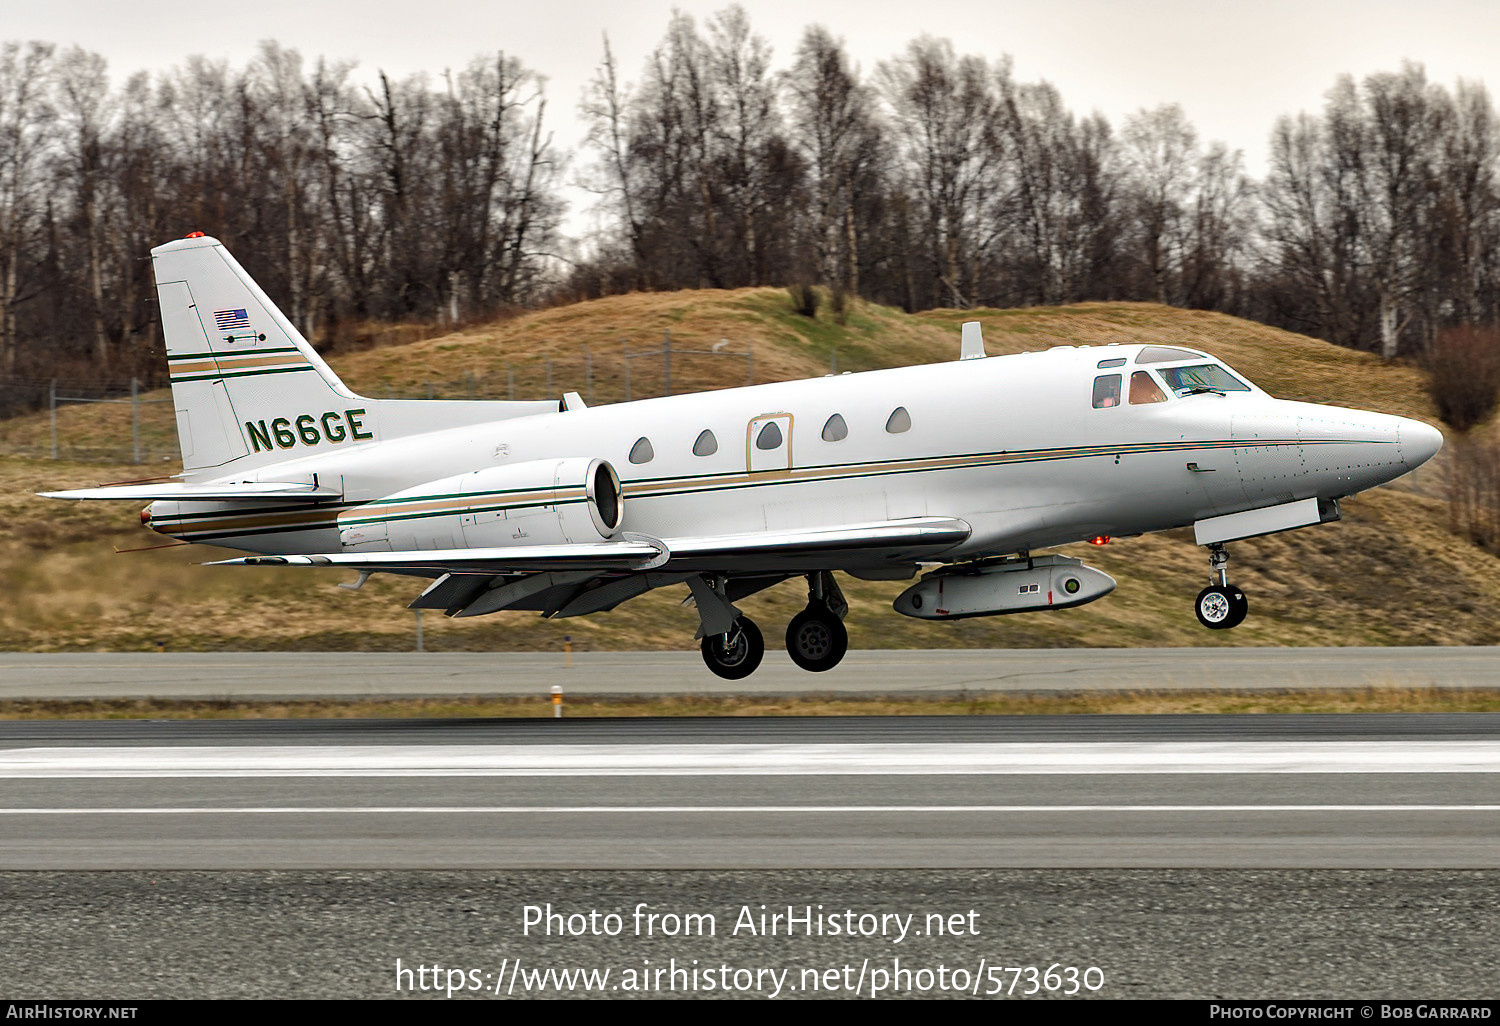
(1233, 66)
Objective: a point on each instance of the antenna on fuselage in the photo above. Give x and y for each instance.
(971, 342)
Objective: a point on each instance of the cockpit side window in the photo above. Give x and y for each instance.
(1205, 377)
(1106, 391)
(1144, 390)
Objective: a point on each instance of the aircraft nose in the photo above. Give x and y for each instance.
(1419, 442)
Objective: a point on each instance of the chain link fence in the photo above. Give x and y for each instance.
(121, 423)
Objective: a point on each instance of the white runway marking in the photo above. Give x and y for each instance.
(280, 810)
(754, 759)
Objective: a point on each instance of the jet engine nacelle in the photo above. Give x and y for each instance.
(540, 502)
(1018, 585)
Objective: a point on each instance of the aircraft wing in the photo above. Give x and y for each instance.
(885, 539)
(247, 491)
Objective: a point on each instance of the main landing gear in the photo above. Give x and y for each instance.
(732, 644)
(816, 639)
(735, 654)
(1221, 605)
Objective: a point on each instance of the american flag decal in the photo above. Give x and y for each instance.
(228, 320)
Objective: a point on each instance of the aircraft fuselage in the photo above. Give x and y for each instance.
(1016, 446)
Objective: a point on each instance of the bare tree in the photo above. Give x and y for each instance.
(26, 124)
(1219, 225)
(606, 109)
(943, 114)
(1399, 127)
(833, 127)
(1161, 157)
(739, 64)
(85, 110)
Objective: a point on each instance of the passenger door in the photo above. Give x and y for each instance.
(768, 443)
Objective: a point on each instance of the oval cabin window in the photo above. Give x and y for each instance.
(641, 451)
(706, 445)
(835, 430)
(899, 421)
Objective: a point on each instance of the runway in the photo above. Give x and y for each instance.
(1175, 856)
(290, 675)
(841, 793)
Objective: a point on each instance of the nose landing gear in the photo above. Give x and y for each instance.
(816, 639)
(1221, 605)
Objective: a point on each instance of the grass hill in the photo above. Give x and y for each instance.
(1391, 572)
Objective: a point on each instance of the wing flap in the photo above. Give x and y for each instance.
(635, 552)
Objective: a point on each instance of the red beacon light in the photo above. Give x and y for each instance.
(193, 235)
(1099, 539)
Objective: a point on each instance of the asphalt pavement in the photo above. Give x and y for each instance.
(292, 675)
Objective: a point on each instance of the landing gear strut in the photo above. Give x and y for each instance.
(734, 655)
(816, 639)
(1221, 605)
(732, 645)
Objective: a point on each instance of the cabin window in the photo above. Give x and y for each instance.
(1106, 391)
(1144, 390)
(1165, 354)
(1207, 377)
(706, 445)
(769, 437)
(641, 451)
(1118, 361)
(899, 421)
(835, 430)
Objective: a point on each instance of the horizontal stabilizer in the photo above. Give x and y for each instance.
(247, 491)
(636, 552)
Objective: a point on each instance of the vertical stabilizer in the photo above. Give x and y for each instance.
(247, 386)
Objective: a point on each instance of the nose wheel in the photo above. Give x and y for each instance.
(735, 654)
(1221, 605)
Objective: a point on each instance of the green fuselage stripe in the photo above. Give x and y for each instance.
(243, 374)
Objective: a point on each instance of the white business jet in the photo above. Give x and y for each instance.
(967, 468)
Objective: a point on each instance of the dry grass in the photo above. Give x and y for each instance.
(1353, 700)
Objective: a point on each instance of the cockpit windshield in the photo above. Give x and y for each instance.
(1205, 377)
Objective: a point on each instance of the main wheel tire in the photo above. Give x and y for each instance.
(734, 655)
(816, 640)
(1221, 607)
